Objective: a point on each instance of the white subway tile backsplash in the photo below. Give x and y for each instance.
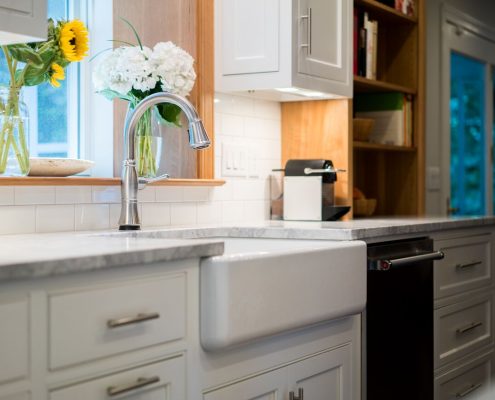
(34, 195)
(92, 216)
(147, 195)
(6, 195)
(247, 189)
(209, 213)
(183, 213)
(155, 214)
(232, 125)
(257, 210)
(17, 219)
(106, 194)
(115, 215)
(196, 193)
(222, 193)
(54, 218)
(73, 194)
(169, 194)
(232, 211)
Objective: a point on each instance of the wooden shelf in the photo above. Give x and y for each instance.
(89, 181)
(364, 85)
(381, 11)
(382, 147)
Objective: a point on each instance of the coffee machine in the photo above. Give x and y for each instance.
(309, 191)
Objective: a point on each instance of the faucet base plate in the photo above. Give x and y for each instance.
(129, 227)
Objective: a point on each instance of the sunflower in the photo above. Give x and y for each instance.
(57, 74)
(74, 40)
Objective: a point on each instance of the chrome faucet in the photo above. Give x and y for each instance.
(198, 139)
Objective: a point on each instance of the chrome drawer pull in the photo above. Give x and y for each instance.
(140, 383)
(115, 323)
(467, 391)
(468, 265)
(300, 395)
(469, 327)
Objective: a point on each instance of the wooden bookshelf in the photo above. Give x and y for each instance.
(385, 12)
(394, 175)
(364, 85)
(381, 147)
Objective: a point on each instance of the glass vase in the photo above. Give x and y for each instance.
(148, 144)
(14, 128)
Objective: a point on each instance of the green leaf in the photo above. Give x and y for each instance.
(34, 76)
(25, 54)
(170, 114)
(112, 94)
(133, 30)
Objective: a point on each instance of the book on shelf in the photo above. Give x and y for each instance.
(407, 7)
(365, 45)
(392, 113)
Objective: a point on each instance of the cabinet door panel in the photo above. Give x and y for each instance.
(22, 21)
(14, 341)
(20, 396)
(324, 376)
(250, 36)
(269, 386)
(323, 39)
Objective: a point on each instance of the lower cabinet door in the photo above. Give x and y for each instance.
(323, 376)
(269, 386)
(469, 381)
(164, 380)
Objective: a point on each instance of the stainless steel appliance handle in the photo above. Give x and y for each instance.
(115, 323)
(470, 327)
(309, 171)
(468, 390)
(140, 383)
(385, 265)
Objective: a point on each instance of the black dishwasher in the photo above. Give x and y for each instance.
(398, 328)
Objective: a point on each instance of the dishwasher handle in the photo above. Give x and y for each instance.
(385, 265)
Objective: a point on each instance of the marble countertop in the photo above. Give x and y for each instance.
(359, 229)
(40, 255)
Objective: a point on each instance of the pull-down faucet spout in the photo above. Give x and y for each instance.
(198, 139)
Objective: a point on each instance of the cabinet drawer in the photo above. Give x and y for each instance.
(467, 265)
(14, 341)
(19, 396)
(462, 328)
(90, 324)
(465, 382)
(161, 380)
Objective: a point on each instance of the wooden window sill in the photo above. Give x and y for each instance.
(88, 181)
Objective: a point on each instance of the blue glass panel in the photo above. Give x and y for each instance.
(467, 140)
(52, 102)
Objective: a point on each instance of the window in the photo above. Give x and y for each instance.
(61, 119)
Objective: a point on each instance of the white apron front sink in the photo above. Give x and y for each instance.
(263, 287)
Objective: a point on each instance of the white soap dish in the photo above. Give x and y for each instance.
(43, 166)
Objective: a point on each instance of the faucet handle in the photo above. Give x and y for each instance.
(142, 182)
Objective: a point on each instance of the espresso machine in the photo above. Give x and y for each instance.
(309, 191)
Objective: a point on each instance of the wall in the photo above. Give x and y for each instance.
(482, 10)
(30, 209)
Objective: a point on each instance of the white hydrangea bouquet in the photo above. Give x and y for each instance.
(133, 72)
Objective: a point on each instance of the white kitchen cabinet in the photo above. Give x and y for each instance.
(22, 21)
(322, 376)
(284, 50)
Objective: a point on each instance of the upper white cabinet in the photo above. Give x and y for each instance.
(284, 50)
(22, 21)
